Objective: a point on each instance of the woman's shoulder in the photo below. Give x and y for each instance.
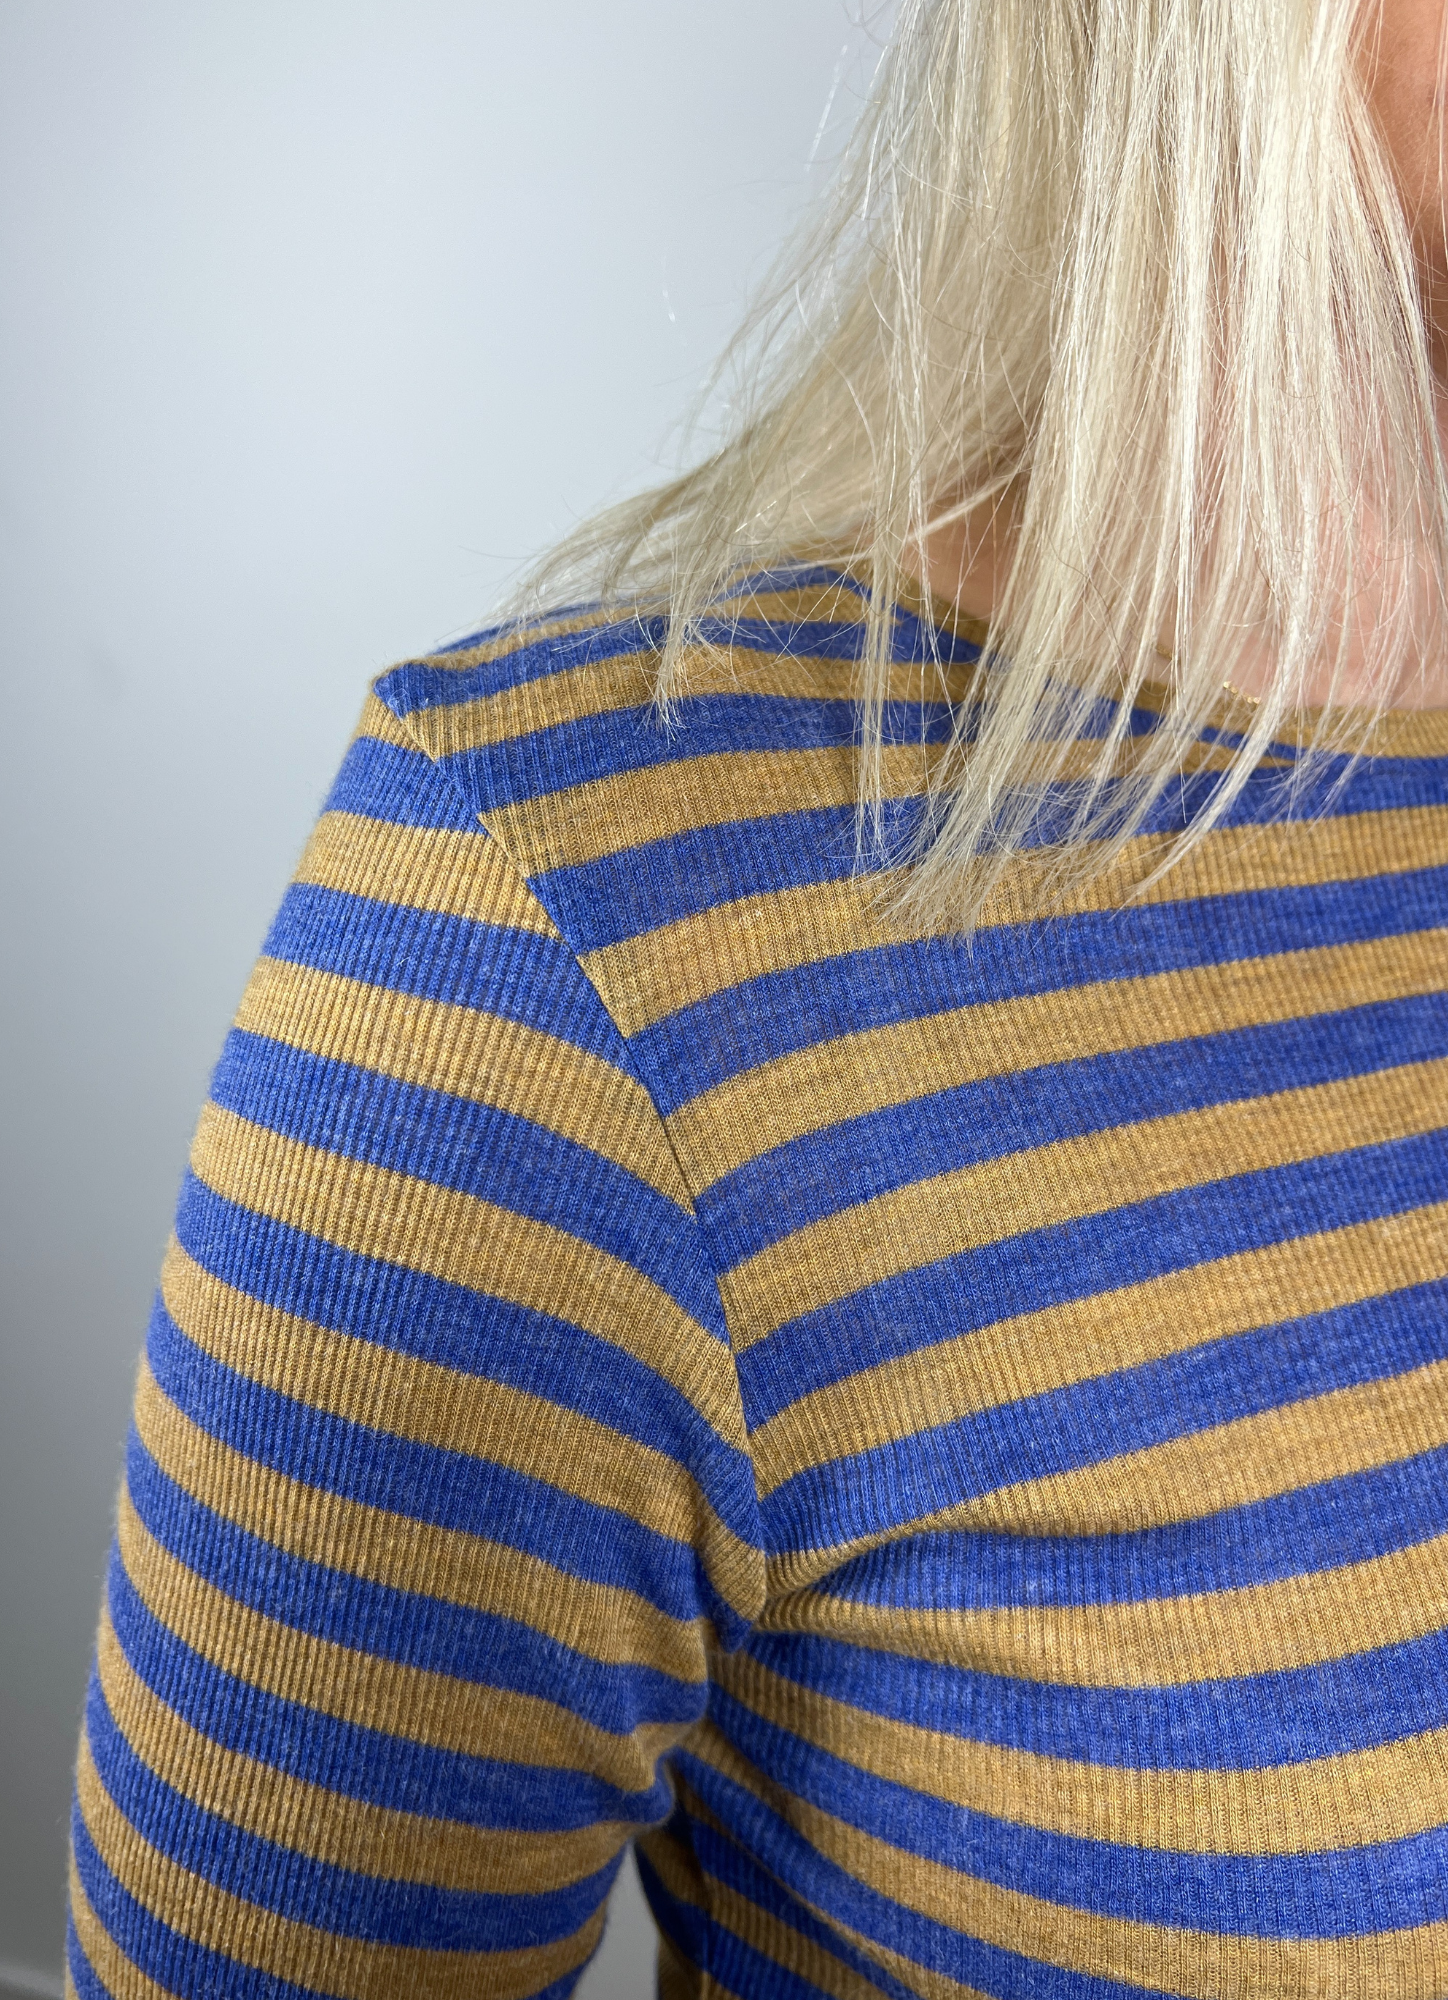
(623, 818)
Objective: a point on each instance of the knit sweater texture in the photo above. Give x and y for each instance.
(940, 1443)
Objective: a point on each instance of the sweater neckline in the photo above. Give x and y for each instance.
(1395, 732)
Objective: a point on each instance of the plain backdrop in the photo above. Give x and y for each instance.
(316, 319)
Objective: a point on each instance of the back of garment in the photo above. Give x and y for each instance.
(943, 1442)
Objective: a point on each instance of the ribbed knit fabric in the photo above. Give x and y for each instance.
(945, 1442)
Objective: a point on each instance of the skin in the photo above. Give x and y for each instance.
(1402, 80)
(967, 562)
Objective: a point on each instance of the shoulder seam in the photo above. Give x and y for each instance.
(404, 724)
(627, 1064)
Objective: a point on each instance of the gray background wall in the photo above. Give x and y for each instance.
(316, 317)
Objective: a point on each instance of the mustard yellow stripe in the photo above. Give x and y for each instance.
(1401, 732)
(603, 687)
(788, 604)
(468, 1053)
(921, 1979)
(659, 971)
(1082, 1339)
(676, 1978)
(969, 1207)
(344, 1832)
(607, 1624)
(421, 868)
(509, 638)
(380, 725)
(1232, 1464)
(708, 668)
(675, 1864)
(914, 1977)
(348, 1968)
(786, 1947)
(119, 1975)
(1383, 1965)
(1388, 1793)
(681, 1876)
(605, 815)
(852, 1075)
(571, 695)
(1296, 1621)
(437, 1406)
(1199, 756)
(651, 975)
(372, 1693)
(441, 1233)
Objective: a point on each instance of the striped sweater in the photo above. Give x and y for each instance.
(940, 1444)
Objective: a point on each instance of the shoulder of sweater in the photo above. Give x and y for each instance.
(548, 731)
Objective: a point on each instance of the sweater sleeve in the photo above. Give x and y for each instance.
(438, 1491)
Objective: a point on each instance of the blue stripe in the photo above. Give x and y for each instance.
(383, 781)
(1299, 790)
(683, 1924)
(1356, 1518)
(472, 1148)
(175, 1964)
(729, 1865)
(452, 1327)
(520, 975)
(448, 1489)
(797, 1183)
(397, 1773)
(517, 1346)
(1097, 1253)
(735, 1968)
(560, 1989)
(833, 639)
(636, 889)
(87, 1985)
(622, 895)
(423, 1633)
(1242, 1723)
(518, 769)
(413, 1915)
(508, 628)
(798, 576)
(532, 764)
(776, 1013)
(1109, 1416)
(1388, 1885)
(419, 685)
(939, 1948)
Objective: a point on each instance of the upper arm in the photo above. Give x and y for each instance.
(438, 1491)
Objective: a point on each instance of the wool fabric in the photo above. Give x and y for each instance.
(939, 1442)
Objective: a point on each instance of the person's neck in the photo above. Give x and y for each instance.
(966, 564)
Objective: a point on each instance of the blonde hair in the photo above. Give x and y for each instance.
(1143, 264)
